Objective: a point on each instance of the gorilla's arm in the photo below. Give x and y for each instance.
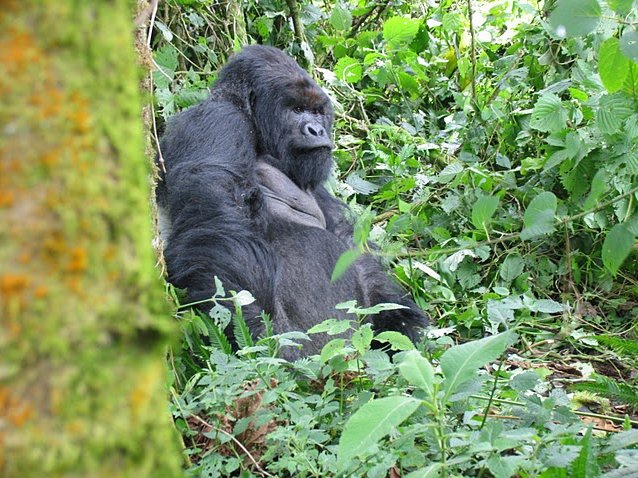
(378, 287)
(213, 207)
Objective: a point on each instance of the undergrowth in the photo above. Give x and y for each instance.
(491, 149)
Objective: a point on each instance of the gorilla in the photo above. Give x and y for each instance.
(240, 197)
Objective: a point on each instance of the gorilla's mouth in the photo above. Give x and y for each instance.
(314, 150)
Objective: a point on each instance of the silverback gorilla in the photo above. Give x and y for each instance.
(242, 199)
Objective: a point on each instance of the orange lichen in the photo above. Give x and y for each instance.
(41, 292)
(79, 260)
(17, 412)
(51, 158)
(13, 283)
(6, 198)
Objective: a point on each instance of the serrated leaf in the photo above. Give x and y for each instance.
(549, 115)
(418, 371)
(400, 31)
(341, 18)
(483, 210)
(371, 423)
(613, 66)
(348, 69)
(511, 268)
(539, 216)
(612, 111)
(617, 246)
(461, 362)
(343, 263)
(573, 18)
(629, 45)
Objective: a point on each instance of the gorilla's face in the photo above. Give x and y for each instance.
(291, 114)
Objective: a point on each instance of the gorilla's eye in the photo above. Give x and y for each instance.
(298, 109)
(317, 111)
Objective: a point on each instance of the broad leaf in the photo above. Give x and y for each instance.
(397, 340)
(629, 45)
(483, 210)
(341, 18)
(461, 362)
(573, 18)
(549, 115)
(418, 371)
(431, 471)
(617, 247)
(622, 7)
(539, 216)
(612, 111)
(362, 338)
(400, 31)
(348, 69)
(343, 263)
(371, 423)
(613, 66)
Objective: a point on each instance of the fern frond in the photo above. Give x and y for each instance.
(606, 387)
(623, 347)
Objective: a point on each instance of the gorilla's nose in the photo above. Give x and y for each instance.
(310, 129)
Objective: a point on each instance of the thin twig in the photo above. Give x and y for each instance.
(472, 52)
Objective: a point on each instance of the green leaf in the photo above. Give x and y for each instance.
(397, 340)
(617, 246)
(483, 210)
(348, 69)
(629, 45)
(418, 371)
(539, 216)
(343, 263)
(511, 268)
(431, 471)
(598, 187)
(331, 327)
(400, 31)
(622, 7)
(613, 66)
(549, 115)
(362, 338)
(371, 423)
(574, 18)
(461, 362)
(341, 18)
(612, 111)
(332, 348)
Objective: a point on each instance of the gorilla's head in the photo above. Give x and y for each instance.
(291, 114)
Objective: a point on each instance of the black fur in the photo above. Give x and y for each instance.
(221, 221)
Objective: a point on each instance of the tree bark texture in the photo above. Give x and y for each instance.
(83, 316)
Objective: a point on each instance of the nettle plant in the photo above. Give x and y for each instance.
(353, 410)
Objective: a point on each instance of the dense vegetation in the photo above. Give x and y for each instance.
(491, 149)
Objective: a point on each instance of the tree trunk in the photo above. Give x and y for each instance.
(83, 317)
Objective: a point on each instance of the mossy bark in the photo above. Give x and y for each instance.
(83, 317)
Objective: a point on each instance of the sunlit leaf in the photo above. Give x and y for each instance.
(573, 18)
(613, 66)
(371, 423)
